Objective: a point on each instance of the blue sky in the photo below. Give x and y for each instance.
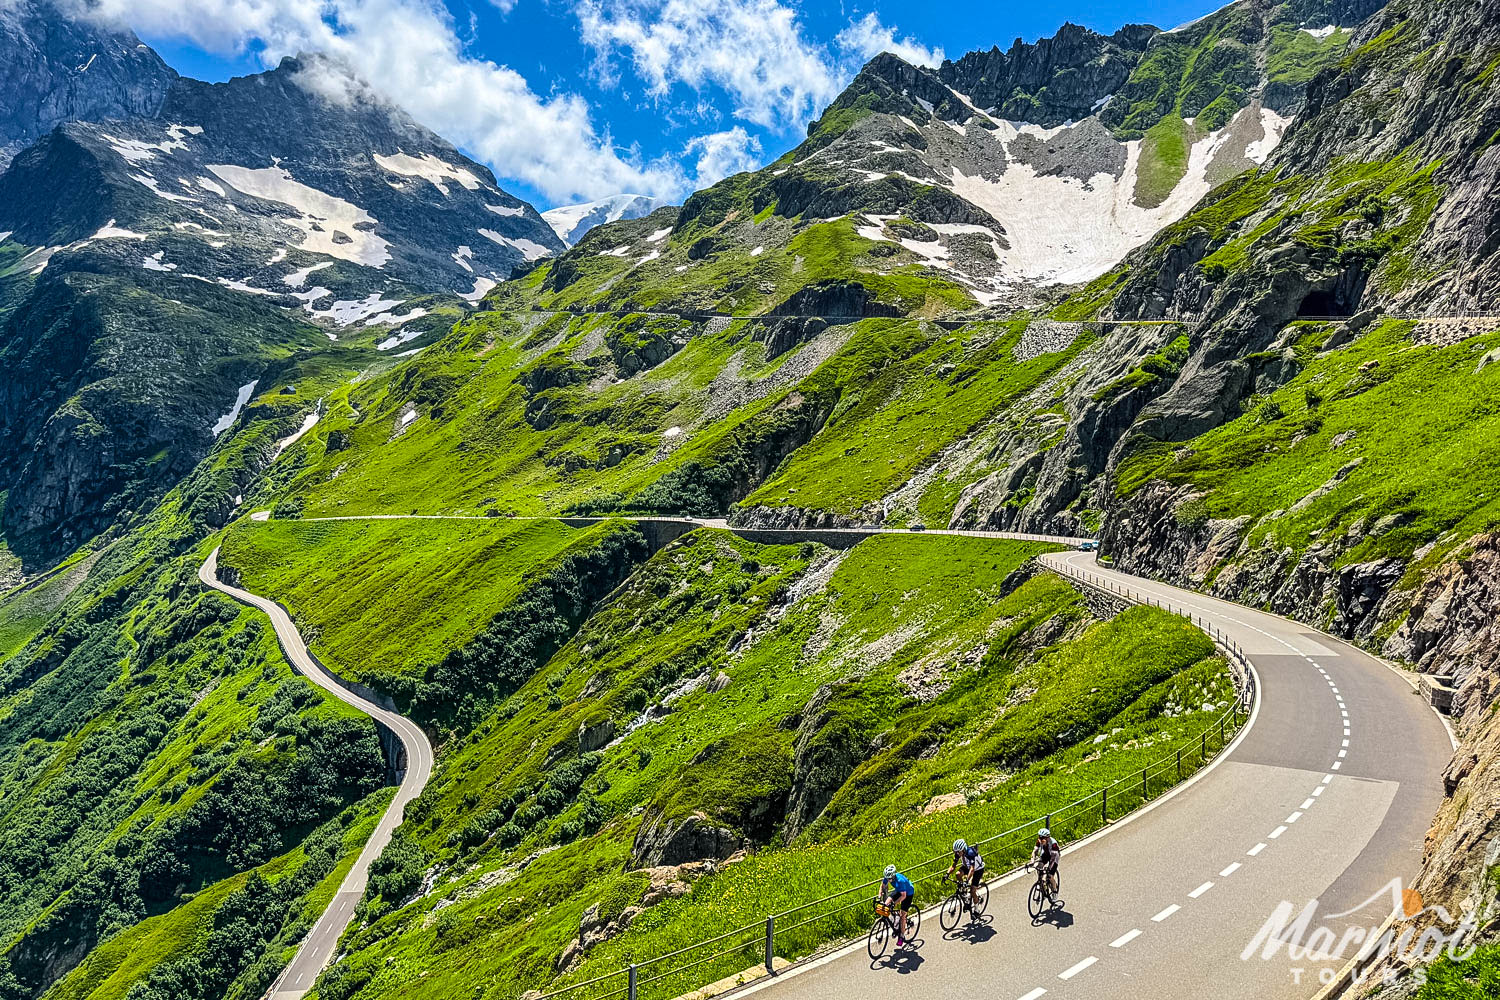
(569, 100)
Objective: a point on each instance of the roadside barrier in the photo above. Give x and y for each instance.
(823, 924)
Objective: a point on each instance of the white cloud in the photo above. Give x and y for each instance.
(723, 153)
(754, 49)
(867, 37)
(409, 50)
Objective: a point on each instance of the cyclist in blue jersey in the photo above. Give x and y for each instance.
(898, 892)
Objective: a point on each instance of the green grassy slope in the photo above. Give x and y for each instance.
(896, 412)
(384, 598)
(536, 418)
(147, 960)
(1411, 475)
(693, 687)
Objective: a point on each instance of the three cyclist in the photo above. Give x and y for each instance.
(1045, 854)
(969, 864)
(898, 892)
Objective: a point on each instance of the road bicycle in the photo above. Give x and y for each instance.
(1042, 899)
(888, 925)
(962, 901)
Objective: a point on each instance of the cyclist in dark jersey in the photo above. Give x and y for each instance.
(898, 892)
(969, 864)
(1046, 854)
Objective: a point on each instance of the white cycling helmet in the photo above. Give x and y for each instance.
(959, 845)
(890, 871)
(1044, 832)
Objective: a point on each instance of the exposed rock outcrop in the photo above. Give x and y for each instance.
(54, 69)
(829, 747)
(663, 840)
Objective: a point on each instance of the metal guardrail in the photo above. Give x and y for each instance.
(806, 929)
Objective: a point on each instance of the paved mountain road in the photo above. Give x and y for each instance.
(1327, 794)
(318, 947)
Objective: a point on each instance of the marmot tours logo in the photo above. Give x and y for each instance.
(1393, 923)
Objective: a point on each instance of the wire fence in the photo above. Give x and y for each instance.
(826, 923)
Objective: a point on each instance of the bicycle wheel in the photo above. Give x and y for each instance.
(953, 908)
(880, 938)
(1036, 900)
(981, 900)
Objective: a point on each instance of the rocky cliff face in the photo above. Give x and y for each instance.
(55, 69)
(1053, 80)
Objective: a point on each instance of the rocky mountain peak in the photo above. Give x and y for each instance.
(55, 69)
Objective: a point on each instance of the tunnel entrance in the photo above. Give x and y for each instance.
(1325, 304)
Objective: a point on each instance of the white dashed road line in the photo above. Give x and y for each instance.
(1125, 938)
(1075, 970)
(1276, 832)
(1256, 849)
(1034, 994)
(1164, 914)
(1200, 890)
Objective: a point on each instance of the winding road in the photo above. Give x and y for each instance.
(1326, 795)
(318, 947)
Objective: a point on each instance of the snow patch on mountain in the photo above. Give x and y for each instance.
(299, 277)
(155, 187)
(1062, 230)
(308, 423)
(429, 168)
(323, 218)
(570, 222)
(482, 285)
(391, 319)
(347, 311)
(241, 398)
(136, 151)
(109, 231)
(529, 249)
(397, 339)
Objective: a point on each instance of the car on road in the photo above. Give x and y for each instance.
(1089, 546)
(919, 526)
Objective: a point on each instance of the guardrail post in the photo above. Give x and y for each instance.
(1221, 734)
(1179, 763)
(770, 941)
(1104, 806)
(630, 988)
(1143, 785)
(1203, 748)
